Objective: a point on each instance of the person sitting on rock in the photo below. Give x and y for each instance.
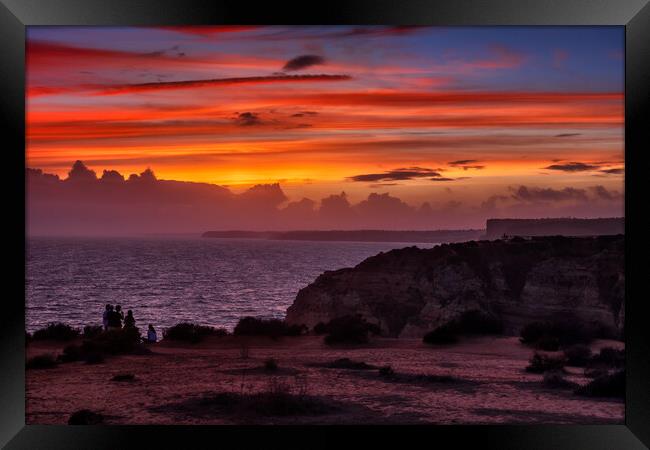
(151, 335)
(129, 320)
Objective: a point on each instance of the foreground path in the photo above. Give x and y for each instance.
(479, 380)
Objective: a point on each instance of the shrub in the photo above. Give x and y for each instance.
(595, 372)
(610, 385)
(275, 402)
(348, 364)
(541, 363)
(270, 365)
(320, 328)
(610, 357)
(73, 353)
(349, 330)
(123, 377)
(85, 417)
(28, 337)
(386, 371)
(91, 331)
(93, 358)
(112, 342)
(56, 332)
(189, 332)
(548, 343)
(46, 361)
(445, 334)
(296, 330)
(567, 332)
(468, 323)
(532, 332)
(578, 355)
(555, 379)
(479, 322)
(274, 328)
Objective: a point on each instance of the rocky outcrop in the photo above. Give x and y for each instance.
(410, 291)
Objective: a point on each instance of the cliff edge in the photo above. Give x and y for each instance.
(410, 291)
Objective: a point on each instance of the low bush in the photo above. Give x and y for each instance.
(296, 330)
(91, 331)
(270, 403)
(610, 357)
(349, 330)
(123, 377)
(445, 334)
(270, 365)
(56, 332)
(320, 328)
(93, 358)
(273, 328)
(190, 332)
(548, 343)
(578, 355)
(532, 332)
(46, 361)
(479, 322)
(567, 332)
(472, 322)
(610, 385)
(112, 342)
(541, 363)
(595, 372)
(386, 371)
(73, 353)
(556, 379)
(85, 417)
(348, 364)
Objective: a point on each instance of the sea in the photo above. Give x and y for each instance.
(165, 280)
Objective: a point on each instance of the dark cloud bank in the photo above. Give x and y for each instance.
(111, 204)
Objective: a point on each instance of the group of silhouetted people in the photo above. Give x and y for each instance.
(114, 319)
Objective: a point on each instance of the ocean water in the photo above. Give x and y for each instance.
(166, 281)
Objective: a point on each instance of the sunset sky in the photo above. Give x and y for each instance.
(425, 114)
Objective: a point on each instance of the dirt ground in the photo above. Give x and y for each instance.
(488, 384)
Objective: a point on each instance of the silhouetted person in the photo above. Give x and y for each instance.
(129, 320)
(118, 308)
(151, 335)
(107, 311)
(114, 320)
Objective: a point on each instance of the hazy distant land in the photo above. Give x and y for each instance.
(495, 228)
(354, 235)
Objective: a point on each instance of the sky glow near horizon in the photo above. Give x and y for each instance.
(448, 116)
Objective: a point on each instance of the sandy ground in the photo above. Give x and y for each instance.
(490, 384)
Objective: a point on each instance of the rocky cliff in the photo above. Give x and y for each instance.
(408, 292)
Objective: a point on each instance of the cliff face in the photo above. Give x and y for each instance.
(410, 291)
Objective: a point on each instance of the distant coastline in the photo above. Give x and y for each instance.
(495, 229)
(434, 236)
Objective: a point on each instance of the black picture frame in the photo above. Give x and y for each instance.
(634, 15)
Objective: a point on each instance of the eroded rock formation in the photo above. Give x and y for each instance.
(410, 291)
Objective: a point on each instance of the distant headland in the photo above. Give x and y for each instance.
(433, 236)
(495, 229)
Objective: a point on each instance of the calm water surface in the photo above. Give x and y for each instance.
(165, 281)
